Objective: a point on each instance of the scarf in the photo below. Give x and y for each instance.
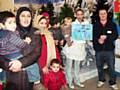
(51, 50)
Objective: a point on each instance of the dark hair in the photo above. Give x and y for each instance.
(54, 61)
(103, 9)
(19, 11)
(54, 20)
(79, 10)
(43, 17)
(4, 15)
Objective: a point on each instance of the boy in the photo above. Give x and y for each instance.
(55, 79)
(66, 30)
(57, 33)
(12, 46)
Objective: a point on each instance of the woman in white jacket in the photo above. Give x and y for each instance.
(75, 53)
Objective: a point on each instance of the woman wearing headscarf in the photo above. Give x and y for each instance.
(19, 79)
(49, 51)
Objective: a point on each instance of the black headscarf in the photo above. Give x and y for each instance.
(23, 30)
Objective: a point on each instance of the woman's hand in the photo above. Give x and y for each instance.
(15, 66)
(28, 40)
(45, 70)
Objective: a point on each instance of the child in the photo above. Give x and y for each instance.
(57, 33)
(12, 46)
(66, 30)
(75, 54)
(55, 79)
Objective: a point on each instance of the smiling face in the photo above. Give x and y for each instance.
(79, 15)
(10, 24)
(42, 23)
(55, 67)
(25, 18)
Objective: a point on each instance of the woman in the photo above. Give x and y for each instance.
(75, 53)
(49, 51)
(19, 80)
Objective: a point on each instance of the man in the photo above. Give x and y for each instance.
(104, 36)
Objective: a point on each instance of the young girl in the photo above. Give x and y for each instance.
(66, 30)
(75, 54)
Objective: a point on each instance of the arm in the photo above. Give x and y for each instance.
(46, 80)
(35, 54)
(29, 59)
(96, 34)
(64, 82)
(63, 78)
(17, 41)
(114, 34)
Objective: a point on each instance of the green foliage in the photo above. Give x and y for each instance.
(66, 11)
(48, 8)
(117, 18)
(78, 4)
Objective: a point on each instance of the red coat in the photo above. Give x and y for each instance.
(54, 81)
(43, 57)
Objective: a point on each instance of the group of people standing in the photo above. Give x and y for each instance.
(30, 56)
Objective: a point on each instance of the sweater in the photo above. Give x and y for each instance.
(110, 30)
(10, 42)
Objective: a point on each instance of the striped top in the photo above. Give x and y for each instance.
(10, 42)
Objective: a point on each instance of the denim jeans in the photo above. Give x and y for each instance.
(32, 70)
(3, 76)
(109, 58)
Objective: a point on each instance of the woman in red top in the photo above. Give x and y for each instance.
(49, 51)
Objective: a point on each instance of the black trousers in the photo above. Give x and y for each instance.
(18, 81)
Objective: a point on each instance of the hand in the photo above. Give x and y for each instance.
(101, 41)
(103, 37)
(65, 87)
(15, 66)
(70, 43)
(28, 40)
(45, 70)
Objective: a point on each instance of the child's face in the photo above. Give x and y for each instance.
(55, 67)
(79, 15)
(10, 24)
(68, 23)
(56, 25)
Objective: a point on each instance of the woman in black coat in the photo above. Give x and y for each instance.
(19, 79)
